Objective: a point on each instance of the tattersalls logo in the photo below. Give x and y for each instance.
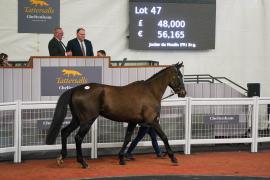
(56, 80)
(39, 2)
(38, 16)
(71, 72)
(69, 78)
(39, 7)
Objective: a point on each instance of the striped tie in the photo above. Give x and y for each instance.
(82, 47)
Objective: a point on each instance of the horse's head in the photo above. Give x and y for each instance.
(176, 82)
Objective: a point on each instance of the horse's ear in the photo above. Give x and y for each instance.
(179, 65)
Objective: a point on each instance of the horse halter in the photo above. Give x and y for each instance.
(177, 84)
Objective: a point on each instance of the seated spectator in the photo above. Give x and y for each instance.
(4, 60)
(101, 53)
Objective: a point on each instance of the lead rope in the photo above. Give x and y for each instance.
(172, 93)
(168, 96)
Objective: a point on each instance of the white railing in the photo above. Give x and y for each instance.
(183, 120)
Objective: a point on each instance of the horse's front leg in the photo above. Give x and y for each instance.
(164, 138)
(130, 129)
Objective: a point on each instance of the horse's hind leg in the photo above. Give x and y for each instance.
(84, 128)
(65, 132)
(164, 138)
(128, 135)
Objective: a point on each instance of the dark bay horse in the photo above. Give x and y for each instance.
(138, 102)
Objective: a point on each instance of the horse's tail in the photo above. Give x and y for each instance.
(58, 117)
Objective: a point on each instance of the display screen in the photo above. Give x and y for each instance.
(172, 24)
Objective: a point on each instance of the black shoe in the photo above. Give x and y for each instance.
(161, 155)
(129, 157)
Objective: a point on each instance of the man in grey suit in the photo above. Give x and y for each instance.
(56, 46)
(80, 46)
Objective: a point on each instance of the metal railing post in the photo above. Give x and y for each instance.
(94, 140)
(188, 126)
(255, 123)
(17, 133)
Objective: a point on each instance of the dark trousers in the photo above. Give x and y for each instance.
(141, 133)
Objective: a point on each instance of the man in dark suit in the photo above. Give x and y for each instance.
(56, 46)
(80, 46)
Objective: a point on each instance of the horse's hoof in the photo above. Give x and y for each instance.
(60, 160)
(122, 162)
(174, 160)
(84, 165)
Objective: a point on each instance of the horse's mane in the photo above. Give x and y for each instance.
(140, 81)
(157, 74)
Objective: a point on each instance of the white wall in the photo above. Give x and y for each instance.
(242, 38)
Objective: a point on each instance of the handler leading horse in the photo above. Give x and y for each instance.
(138, 102)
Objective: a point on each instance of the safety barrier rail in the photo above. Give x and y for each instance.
(185, 121)
(202, 78)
